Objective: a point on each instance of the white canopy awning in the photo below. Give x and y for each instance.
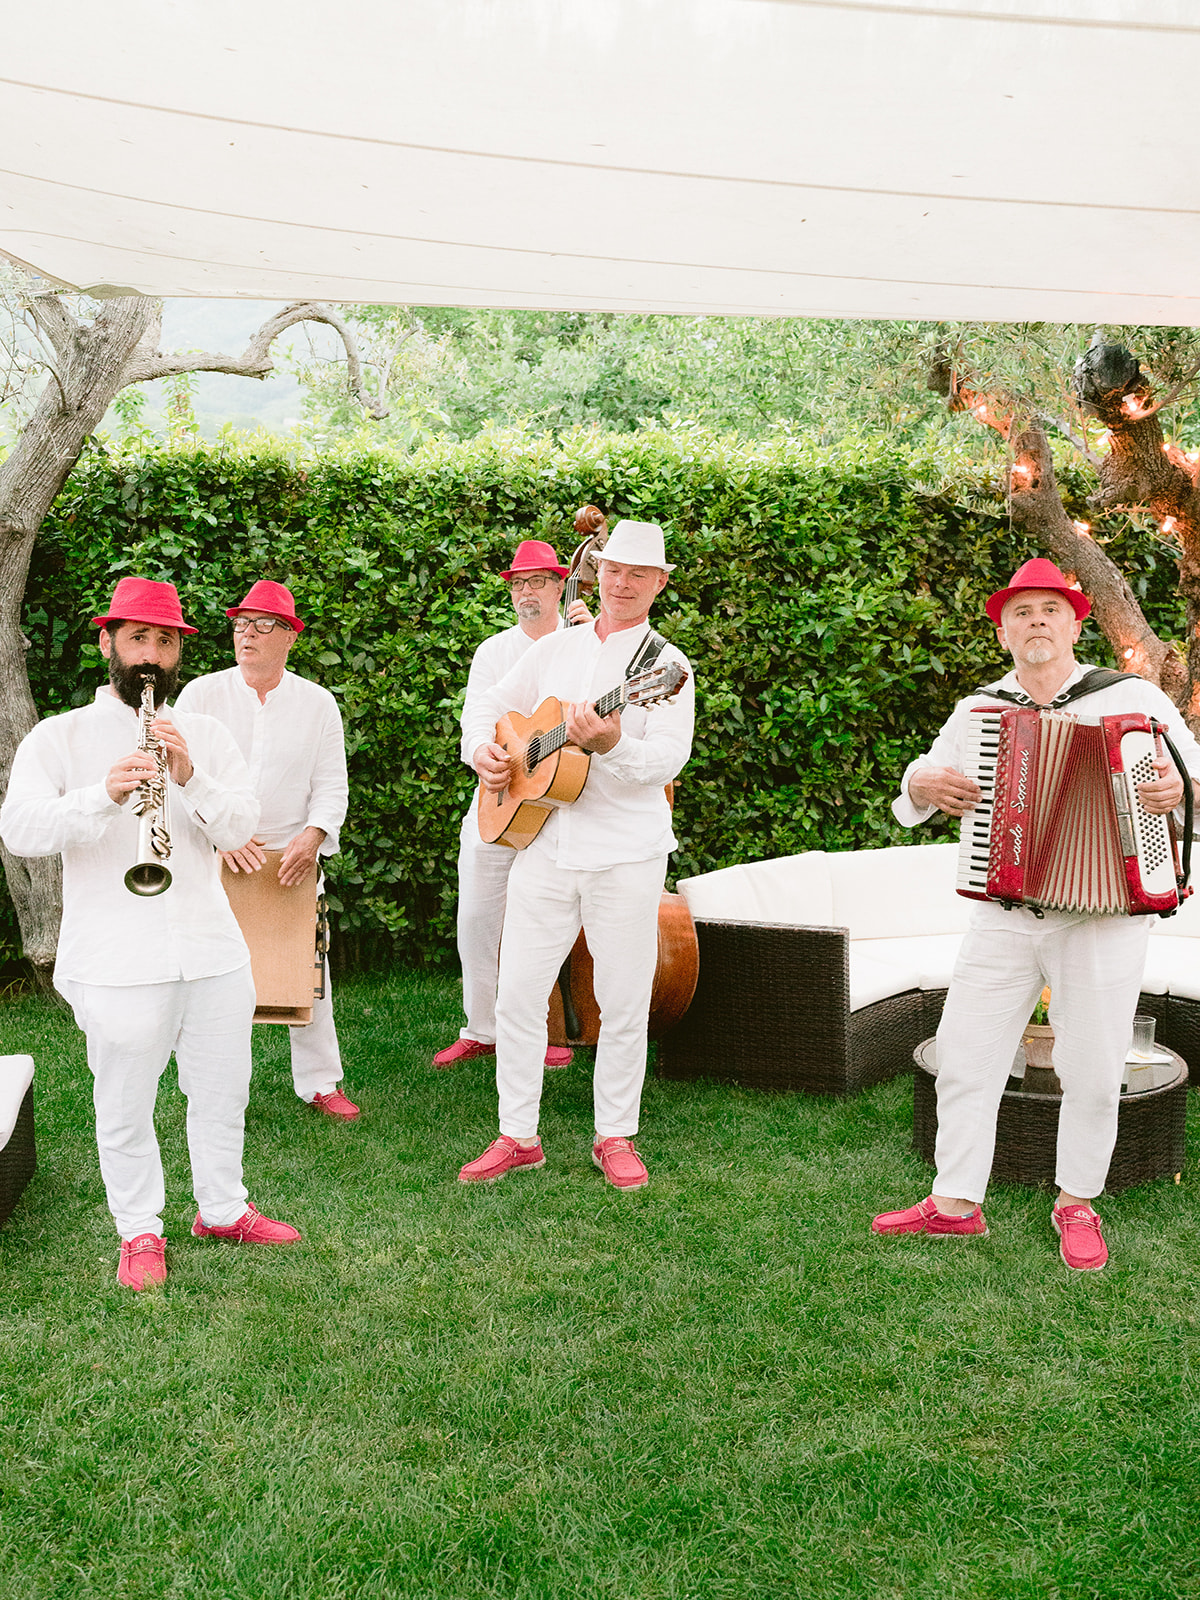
(995, 159)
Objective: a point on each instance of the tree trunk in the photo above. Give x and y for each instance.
(1037, 509)
(90, 370)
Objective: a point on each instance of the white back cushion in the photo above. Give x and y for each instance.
(900, 892)
(16, 1074)
(790, 889)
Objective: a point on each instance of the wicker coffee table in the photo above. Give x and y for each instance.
(1150, 1127)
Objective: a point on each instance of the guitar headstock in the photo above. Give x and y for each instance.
(660, 682)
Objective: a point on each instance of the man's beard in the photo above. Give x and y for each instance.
(529, 609)
(128, 680)
(1037, 652)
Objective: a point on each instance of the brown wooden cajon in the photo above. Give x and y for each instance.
(280, 927)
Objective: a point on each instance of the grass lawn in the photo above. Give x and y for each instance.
(719, 1386)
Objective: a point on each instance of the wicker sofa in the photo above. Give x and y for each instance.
(824, 971)
(17, 1153)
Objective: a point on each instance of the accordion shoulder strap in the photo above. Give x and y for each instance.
(1097, 678)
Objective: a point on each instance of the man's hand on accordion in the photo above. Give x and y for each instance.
(1163, 793)
(950, 791)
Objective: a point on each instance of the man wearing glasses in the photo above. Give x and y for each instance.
(535, 584)
(289, 731)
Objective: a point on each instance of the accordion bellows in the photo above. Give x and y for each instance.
(1059, 825)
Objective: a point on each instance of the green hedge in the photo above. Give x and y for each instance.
(831, 604)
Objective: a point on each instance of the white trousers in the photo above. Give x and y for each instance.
(130, 1036)
(1094, 968)
(618, 909)
(316, 1059)
(483, 871)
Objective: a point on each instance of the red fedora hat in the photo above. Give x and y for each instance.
(1038, 574)
(272, 598)
(535, 555)
(144, 600)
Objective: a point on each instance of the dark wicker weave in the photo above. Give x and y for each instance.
(1179, 1027)
(1150, 1133)
(771, 1011)
(18, 1158)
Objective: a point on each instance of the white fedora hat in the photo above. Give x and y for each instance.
(637, 544)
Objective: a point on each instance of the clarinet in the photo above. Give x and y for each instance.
(148, 875)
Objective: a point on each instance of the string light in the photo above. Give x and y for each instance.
(1193, 455)
(1103, 439)
(1169, 525)
(1131, 405)
(1129, 654)
(1083, 529)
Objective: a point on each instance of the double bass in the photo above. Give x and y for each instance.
(574, 1017)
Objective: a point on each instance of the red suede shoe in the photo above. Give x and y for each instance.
(250, 1228)
(557, 1057)
(620, 1163)
(1082, 1244)
(925, 1218)
(502, 1156)
(143, 1261)
(334, 1104)
(461, 1050)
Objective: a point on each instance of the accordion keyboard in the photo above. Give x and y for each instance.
(975, 833)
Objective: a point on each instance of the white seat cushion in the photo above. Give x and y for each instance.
(931, 956)
(16, 1074)
(902, 892)
(1173, 967)
(877, 980)
(790, 889)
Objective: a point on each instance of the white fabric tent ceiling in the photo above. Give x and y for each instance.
(1034, 160)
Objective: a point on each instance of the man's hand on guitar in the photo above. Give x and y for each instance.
(950, 791)
(1162, 794)
(590, 732)
(494, 765)
(578, 612)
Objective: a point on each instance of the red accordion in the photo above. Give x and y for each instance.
(1059, 825)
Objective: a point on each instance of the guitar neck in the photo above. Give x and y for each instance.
(554, 739)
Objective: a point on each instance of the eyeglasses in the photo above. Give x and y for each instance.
(538, 581)
(259, 624)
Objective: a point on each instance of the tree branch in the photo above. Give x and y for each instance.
(1171, 394)
(51, 318)
(255, 361)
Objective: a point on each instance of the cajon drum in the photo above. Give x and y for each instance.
(280, 926)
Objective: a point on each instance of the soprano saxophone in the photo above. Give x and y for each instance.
(148, 875)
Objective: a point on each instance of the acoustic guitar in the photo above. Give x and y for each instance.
(546, 771)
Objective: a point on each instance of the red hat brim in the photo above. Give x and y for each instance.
(559, 572)
(1080, 603)
(154, 622)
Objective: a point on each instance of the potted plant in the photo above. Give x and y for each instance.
(1038, 1043)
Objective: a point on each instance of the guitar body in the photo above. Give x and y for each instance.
(675, 974)
(516, 815)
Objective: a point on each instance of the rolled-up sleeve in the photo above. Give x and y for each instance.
(40, 816)
(218, 795)
(947, 750)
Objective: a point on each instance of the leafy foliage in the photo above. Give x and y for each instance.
(831, 602)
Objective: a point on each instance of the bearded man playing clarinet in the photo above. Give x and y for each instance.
(1093, 963)
(155, 963)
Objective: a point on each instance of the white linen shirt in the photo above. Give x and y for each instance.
(949, 750)
(622, 814)
(494, 658)
(57, 803)
(293, 746)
